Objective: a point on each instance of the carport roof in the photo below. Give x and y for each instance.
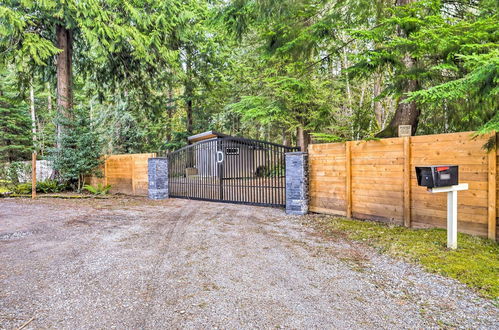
(205, 136)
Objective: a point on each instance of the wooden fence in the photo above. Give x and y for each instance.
(377, 180)
(127, 174)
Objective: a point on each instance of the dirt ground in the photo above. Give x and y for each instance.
(135, 263)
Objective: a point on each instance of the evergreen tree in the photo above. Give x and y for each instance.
(97, 36)
(80, 153)
(15, 123)
(152, 72)
(15, 131)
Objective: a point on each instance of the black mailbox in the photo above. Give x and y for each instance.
(437, 175)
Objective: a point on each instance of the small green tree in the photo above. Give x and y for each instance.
(15, 135)
(15, 124)
(81, 149)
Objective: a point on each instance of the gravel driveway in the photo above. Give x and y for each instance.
(134, 263)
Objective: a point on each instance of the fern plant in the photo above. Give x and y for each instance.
(49, 186)
(99, 189)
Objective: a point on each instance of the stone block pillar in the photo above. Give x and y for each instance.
(157, 178)
(297, 183)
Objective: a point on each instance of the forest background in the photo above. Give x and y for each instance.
(118, 76)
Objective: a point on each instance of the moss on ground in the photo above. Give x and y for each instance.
(62, 196)
(475, 262)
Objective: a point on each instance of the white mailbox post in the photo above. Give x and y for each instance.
(451, 211)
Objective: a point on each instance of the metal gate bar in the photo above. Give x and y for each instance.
(230, 169)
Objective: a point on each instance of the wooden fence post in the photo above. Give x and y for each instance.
(132, 159)
(492, 192)
(105, 170)
(348, 163)
(33, 175)
(407, 181)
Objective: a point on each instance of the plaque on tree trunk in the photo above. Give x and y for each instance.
(405, 130)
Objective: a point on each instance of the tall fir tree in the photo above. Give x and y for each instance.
(15, 122)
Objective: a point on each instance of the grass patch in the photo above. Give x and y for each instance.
(4, 190)
(475, 262)
(60, 196)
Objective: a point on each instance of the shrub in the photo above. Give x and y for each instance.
(277, 171)
(22, 188)
(15, 172)
(100, 189)
(270, 172)
(49, 186)
(79, 155)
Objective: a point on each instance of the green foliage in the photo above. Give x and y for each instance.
(49, 186)
(490, 126)
(22, 188)
(264, 171)
(276, 171)
(255, 68)
(467, 68)
(258, 108)
(327, 138)
(177, 141)
(15, 123)
(81, 149)
(15, 172)
(100, 28)
(44, 187)
(454, 48)
(123, 55)
(346, 47)
(474, 263)
(99, 189)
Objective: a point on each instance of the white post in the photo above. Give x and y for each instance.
(451, 211)
(452, 219)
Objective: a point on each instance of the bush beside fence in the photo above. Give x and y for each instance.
(376, 180)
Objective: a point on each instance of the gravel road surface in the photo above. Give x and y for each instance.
(135, 263)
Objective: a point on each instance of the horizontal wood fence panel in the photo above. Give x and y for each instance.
(378, 179)
(381, 188)
(127, 173)
(327, 182)
(457, 149)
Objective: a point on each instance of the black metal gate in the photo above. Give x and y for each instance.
(229, 169)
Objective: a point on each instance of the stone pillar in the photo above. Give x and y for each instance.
(157, 178)
(296, 183)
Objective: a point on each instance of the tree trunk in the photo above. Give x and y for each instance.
(406, 113)
(189, 116)
(303, 138)
(49, 98)
(32, 107)
(286, 141)
(64, 76)
(378, 107)
(188, 92)
(169, 113)
(41, 135)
